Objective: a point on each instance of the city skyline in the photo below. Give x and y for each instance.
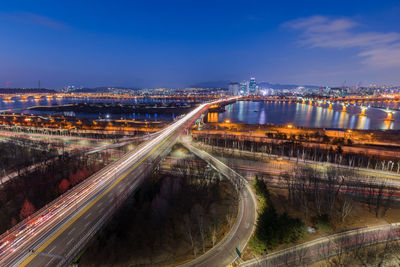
(200, 133)
(177, 45)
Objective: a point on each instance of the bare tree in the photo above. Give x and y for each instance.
(389, 198)
(379, 197)
(317, 192)
(187, 228)
(213, 233)
(229, 218)
(198, 213)
(347, 206)
(334, 183)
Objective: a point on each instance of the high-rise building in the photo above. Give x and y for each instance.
(253, 86)
(244, 88)
(234, 88)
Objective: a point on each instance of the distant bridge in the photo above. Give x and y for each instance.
(105, 96)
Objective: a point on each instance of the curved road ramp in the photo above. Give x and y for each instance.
(231, 246)
(326, 247)
(55, 234)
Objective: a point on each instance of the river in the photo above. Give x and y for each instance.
(281, 113)
(17, 105)
(306, 115)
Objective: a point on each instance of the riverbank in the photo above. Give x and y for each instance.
(62, 125)
(386, 139)
(176, 108)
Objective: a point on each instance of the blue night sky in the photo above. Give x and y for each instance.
(179, 43)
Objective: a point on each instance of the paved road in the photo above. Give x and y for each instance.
(224, 253)
(272, 171)
(289, 164)
(32, 167)
(55, 234)
(258, 137)
(325, 247)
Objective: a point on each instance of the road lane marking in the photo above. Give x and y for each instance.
(76, 217)
(50, 261)
(52, 249)
(100, 204)
(69, 242)
(88, 215)
(72, 230)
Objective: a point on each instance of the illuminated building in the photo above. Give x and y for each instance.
(244, 88)
(253, 86)
(234, 88)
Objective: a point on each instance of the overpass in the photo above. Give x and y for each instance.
(225, 252)
(55, 234)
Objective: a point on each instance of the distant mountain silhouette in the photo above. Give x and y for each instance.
(211, 84)
(285, 86)
(102, 89)
(225, 84)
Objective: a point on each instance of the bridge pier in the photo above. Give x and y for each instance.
(389, 116)
(363, 110)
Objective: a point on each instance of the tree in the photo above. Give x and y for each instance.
(213, 233)
(198, 213)
(389, 199)
(27, 209)
(63, 186)
(349, 142)
(187, 229)
(72, 178)
(77, 177)
(347, 206)
(334, 184)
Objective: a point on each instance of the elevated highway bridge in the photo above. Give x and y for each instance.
(55, 234)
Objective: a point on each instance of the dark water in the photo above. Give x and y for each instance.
(245, 112)
(22, 106)
(306, 115)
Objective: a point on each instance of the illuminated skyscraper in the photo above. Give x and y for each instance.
(252, 86)
(244, 88)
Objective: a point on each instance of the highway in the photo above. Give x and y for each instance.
(8, 177)
(55, 234)
(224, 253)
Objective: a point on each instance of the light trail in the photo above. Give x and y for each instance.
(46, 223)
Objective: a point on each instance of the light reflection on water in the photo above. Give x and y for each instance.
(18, 105)
(309, 115)
(30, 102)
